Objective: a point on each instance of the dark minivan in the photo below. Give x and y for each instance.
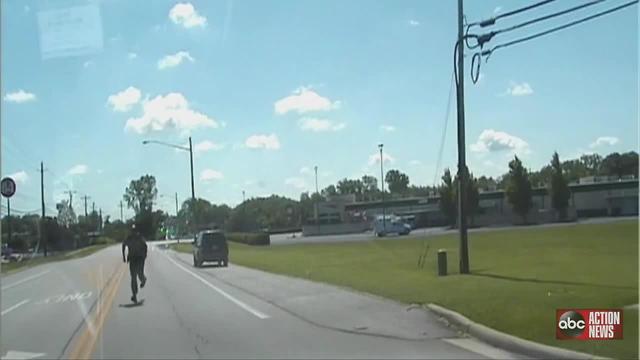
(210, 245)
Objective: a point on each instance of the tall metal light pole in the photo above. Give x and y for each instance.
(384, 216)
(462, 167)
(190, 150)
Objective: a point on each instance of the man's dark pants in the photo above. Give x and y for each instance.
(136, 268)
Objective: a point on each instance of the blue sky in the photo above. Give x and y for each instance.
(270, 89)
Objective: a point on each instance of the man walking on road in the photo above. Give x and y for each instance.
(136, 256)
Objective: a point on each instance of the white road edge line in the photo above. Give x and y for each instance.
(25, 280)
(481, 348)
(14, 307)
(220, 291)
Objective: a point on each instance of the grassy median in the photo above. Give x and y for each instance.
(519, 277)
(12, 267)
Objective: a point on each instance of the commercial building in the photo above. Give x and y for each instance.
(590, 197)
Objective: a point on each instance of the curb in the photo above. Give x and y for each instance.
(506, 341)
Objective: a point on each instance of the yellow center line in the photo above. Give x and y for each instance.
(86, 341)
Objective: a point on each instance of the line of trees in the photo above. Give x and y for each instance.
(519, 183)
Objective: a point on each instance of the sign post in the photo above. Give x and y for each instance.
(8, 188)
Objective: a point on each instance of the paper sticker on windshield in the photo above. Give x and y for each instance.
(71, 31)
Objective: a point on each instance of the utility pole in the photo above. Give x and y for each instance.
(121, 216)
(194, 226)
(315, 168)
(85, 206)
(93, 207)
(100, 217)
(43, 238)
(70, 192)
(462, 166)
(384, 215)
(176, 204)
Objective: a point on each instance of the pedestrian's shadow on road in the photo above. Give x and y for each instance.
(132, 305)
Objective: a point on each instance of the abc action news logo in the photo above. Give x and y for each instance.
(589, 324)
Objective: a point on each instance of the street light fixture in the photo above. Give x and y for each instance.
(384, 220)
(190, 150)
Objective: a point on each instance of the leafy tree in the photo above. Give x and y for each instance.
(348, 186)
(487, 183)
(201, 213)
(141, 193)
(574, 170)
(541, 178)
(519, 189)
(370, 187)
(66, 215)
(618, 165)
(559, 187)
(448, 197)
(398, 182)
(329, 191)
(592, 163)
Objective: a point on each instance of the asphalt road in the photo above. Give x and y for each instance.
(297, 238)
(80, 308)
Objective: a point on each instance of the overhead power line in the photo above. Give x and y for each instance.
(492, 20)
(444, 131)
(558, 28)
(484, 38)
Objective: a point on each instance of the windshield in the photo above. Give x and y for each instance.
(213, 239)
(319, 179)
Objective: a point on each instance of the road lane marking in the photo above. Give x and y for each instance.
(246, 307)
(21, 355)
(480, 348)
(84, 346)
(61, 298)
(25, 280)
(14, 307)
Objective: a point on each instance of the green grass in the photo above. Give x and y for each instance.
(23, 265)
(519, 277)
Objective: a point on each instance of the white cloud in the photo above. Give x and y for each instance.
(125, 99)
(497, 9)
(319, 125)
(304, 100)
(413, 22)
(604, 140)
(387, 128)
(269, 142)
(174, 60)
(523, 89)
(415, 162)
(493, 141)
(132, 55)
(20, 177)
(305, 170)
(209, 174)
(296, 182)
(207, 145)
(79, 169)
(186, 15)
(375, 158)
(19, 97)
(169, 111)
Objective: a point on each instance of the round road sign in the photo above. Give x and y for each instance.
(8, 187)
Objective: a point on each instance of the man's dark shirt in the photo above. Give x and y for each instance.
(137, 248)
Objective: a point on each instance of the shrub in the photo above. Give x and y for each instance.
(261, 238)
(103, 240)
